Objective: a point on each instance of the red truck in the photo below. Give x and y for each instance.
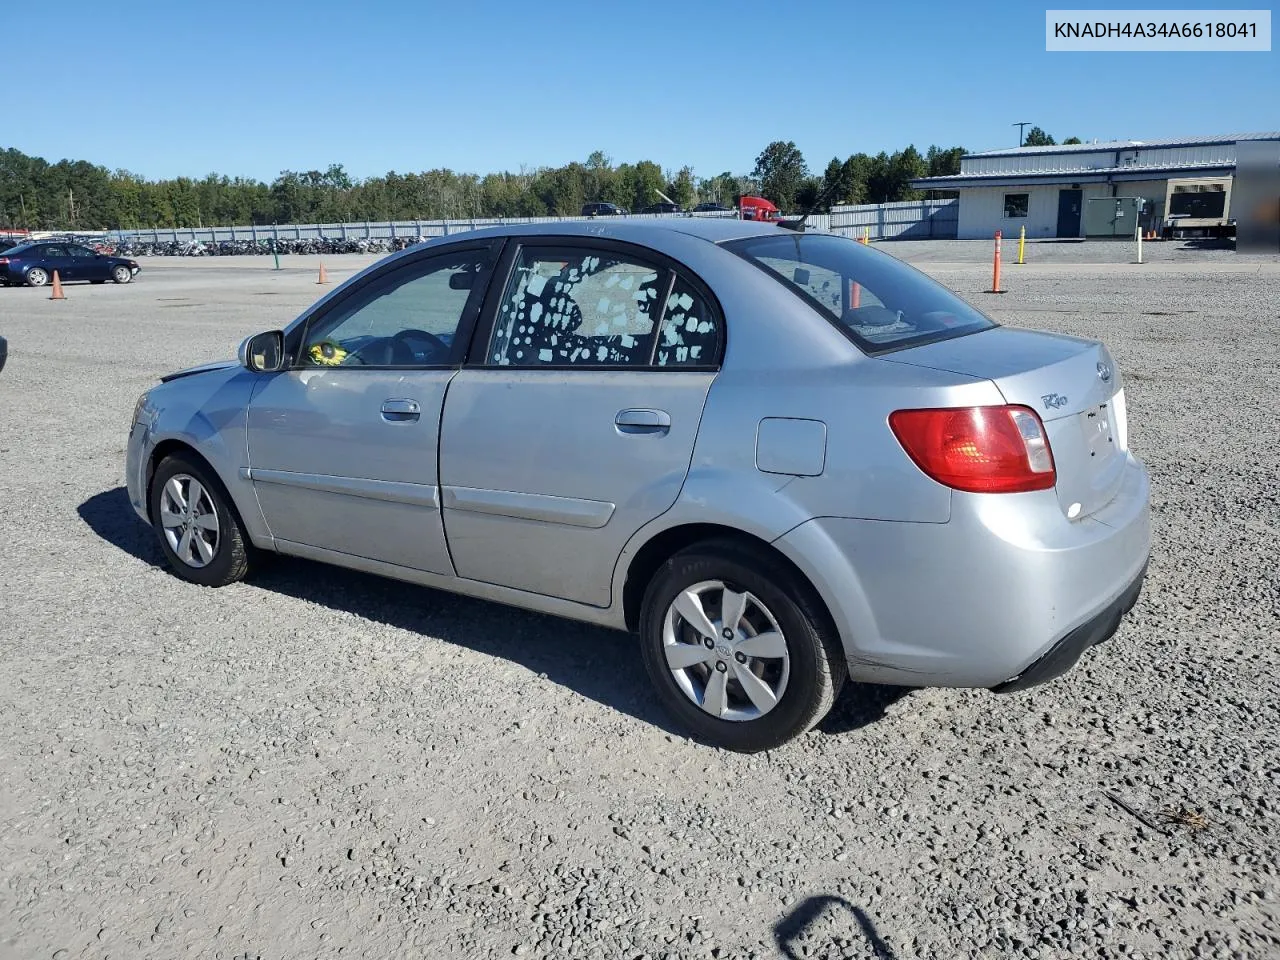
(757, 208)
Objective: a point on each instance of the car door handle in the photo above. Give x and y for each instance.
(400, 411)
(640, 420)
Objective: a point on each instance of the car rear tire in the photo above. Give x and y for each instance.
(37, 277)
(121, 274)
(738, 647)
(199, 530)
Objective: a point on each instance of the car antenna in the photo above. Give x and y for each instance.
(798, 225)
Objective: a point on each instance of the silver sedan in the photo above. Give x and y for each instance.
(782, 458)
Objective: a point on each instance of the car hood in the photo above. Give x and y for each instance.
(202, 368)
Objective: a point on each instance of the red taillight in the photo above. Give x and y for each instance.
(4, 261)
(978, 449)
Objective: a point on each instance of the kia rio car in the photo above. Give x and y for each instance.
(783, 459)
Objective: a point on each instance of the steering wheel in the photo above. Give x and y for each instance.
(435, 342)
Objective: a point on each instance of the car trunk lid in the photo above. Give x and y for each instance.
(1074, 386)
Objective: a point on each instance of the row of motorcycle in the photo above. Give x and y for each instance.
(140, 247)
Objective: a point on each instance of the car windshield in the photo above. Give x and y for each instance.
(876, 300)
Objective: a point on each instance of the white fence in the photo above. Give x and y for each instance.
(912, 220)
(354, 231)
(924, 219)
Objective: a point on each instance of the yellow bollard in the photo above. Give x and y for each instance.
(1022, 239)
(866, 236)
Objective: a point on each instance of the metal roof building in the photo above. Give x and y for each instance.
(1046, 189)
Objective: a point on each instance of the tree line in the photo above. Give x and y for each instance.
(75, 194)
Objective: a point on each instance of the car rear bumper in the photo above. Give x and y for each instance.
(984, 599)
(1062, 656)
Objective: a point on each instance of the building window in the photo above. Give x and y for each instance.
(1015, 205)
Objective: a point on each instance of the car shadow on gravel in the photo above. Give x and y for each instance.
(801, 932)
(110, 515)
(860, 705)
(603, 665)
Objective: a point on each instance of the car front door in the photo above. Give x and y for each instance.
(342, 446)
(86, 264)
(576, 424)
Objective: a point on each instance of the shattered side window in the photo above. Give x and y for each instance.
(690, 331)
(564, 308)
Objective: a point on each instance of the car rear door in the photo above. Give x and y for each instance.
(573, 423)
(343, 446)
(53, 256)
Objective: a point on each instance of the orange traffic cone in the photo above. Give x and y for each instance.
(324, 277)
(57, 288)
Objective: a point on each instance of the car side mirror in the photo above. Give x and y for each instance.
(263, 352)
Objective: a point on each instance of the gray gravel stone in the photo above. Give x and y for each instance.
(318, 760)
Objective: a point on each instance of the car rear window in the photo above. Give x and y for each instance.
(879, 302)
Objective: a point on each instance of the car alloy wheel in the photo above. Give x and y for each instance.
(37, 277)
(200, 531)
(725, 651)
(189, 519)
(738, 647)
(121, 274)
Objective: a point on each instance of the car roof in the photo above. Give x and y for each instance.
(649, 232)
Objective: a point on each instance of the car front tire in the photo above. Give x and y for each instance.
(199, 531)
(121, 274)
(738, 647)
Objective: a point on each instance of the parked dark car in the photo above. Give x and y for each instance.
(33, 264)
(711, 208)
(4, 352)
(603, 210)
(662, 208)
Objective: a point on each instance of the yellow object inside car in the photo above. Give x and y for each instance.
(327, 353)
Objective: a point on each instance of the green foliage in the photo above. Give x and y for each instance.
(782, 173)
(73, 194)
(680, 188)
(724, 189)
(1071, 140)
(943, 163)
(1037, 138)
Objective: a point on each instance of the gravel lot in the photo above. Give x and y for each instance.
(320, 763)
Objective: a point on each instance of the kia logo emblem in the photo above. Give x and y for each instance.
(1104, 372)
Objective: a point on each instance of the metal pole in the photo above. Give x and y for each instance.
(1022, 239)
(275, 252)
(1137, 229)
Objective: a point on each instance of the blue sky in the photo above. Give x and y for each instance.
(168, 89)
